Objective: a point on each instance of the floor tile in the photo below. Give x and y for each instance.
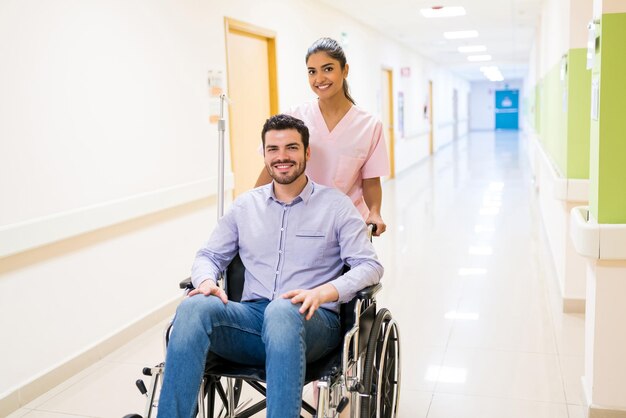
(414, 404)
(530, 376)
(459, 406)
(573, 368)
(108, 392)
(576, 411)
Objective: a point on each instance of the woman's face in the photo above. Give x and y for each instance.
(325, 75)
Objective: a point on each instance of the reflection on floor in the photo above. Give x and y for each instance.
(468, 280)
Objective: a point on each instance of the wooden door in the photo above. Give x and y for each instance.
(388, 118)
(253, 94)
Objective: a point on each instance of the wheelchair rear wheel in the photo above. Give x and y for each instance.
(381, 376)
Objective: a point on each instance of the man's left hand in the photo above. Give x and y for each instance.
(313, 298)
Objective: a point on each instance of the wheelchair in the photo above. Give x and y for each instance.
(363, 372)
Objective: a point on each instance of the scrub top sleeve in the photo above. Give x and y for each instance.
(377, 164)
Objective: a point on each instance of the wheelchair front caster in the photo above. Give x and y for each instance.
(133, 416)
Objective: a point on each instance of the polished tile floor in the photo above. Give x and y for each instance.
(467, 277)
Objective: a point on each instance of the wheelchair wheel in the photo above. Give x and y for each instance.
(381, 375)
(214, 390)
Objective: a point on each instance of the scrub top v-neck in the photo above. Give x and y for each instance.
(354, 150)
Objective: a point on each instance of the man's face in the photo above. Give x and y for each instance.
(285, 157)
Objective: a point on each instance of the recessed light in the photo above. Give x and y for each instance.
(445, 11)
(493, 74)
(473, 48)
(461, 34)
(477, 58)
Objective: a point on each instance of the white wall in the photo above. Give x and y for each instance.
(443, 88)
(554, 34)
(482, 103)
(105, 102)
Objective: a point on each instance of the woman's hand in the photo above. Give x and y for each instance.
(376, 219)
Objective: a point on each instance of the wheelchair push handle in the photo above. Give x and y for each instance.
(371, 229)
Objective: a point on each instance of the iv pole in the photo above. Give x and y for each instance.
(221, 128)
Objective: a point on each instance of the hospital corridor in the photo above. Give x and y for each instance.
(466, 276)
(157, 155)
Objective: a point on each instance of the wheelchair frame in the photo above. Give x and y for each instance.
(370, 354)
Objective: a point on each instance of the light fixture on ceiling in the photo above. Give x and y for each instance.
(492, 73)
(443, 11)
(473, 48)
(461, 34)
(478, 58)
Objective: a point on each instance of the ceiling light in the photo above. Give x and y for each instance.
(478, 250)
(493, 74)
(494, 186)
(473, 48)
(489, 211)
(475, 58)
(484, 228)
(461, 34)
(443, 11)
(472, 271)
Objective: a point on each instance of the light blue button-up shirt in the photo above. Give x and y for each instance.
(299, 245)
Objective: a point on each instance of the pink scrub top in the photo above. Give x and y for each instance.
(354, 150)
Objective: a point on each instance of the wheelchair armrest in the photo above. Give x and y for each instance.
(186, 284)
(369, 292)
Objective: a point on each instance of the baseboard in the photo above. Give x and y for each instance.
(57, 375)
(572, 305)
(597, 412)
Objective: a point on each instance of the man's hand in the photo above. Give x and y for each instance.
(375, 219)
(313, 298)
(208, 288)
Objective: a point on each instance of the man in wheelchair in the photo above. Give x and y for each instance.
(294, 238)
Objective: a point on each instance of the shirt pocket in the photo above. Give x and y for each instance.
(348, 169)
(309, 246)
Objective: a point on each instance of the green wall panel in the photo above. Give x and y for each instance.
(608, 134)
(578, 114)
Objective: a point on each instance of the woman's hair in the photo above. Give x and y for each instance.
(335, 51)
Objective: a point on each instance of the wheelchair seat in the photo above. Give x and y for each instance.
(366, 365)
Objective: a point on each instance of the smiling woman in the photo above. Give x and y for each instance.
(347, 147)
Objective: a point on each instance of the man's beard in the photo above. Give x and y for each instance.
(286, 179)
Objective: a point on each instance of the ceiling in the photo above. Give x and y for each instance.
(505, 27)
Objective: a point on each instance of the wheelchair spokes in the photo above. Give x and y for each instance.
(381, 376)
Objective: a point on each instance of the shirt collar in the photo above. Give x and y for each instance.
(304, 195)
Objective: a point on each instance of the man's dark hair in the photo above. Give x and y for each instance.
(282, 122)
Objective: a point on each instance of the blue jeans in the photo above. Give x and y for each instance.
(258, 333)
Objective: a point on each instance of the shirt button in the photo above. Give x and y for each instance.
(284, 207)
(282, 229)
(280, 251)
(277, 272)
